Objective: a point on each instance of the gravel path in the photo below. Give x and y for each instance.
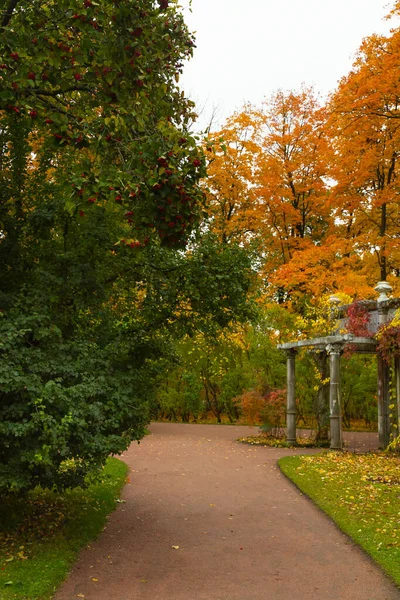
(206, 518)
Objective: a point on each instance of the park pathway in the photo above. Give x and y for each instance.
(206, 518)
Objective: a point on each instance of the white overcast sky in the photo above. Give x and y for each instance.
(247, 49)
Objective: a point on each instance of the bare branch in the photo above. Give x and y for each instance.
(55, 93)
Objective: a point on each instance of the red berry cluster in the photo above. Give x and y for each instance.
(135, 244)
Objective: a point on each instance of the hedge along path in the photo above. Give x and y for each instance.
(206, 518)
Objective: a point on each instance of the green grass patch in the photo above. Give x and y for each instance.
(361, 493)
(274, 442)
(41, 534)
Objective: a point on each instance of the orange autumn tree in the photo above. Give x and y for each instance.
(232, 201)
(317, 186)
(290, 180)
(266, 180)
(364, 129)
(324, 269)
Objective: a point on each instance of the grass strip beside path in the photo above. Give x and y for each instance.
(361, 493)
(41, 534)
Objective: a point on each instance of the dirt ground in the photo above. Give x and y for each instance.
(207, 518)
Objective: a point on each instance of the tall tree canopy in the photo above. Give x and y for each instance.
(99, 196)
(266, 181)
(365, 135)
(317, 185)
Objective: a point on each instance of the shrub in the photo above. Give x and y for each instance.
(273, 414)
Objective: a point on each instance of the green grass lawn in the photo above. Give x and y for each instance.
(41, 534)
(361, 493)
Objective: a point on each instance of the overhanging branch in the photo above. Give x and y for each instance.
(8, 13)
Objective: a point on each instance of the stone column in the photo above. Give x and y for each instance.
(383, 403)
(291, 412)
(334, 351)
(383, 370)
(397, 384)
(323, 396)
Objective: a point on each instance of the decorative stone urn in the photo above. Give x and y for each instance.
(383, 288)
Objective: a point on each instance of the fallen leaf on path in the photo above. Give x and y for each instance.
(175, 547)
(94, 579)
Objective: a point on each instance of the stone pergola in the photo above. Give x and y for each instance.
(330, 349)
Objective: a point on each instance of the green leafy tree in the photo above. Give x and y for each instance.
(239, 365)
(97, 83)
(180, 396)
(99, 197)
